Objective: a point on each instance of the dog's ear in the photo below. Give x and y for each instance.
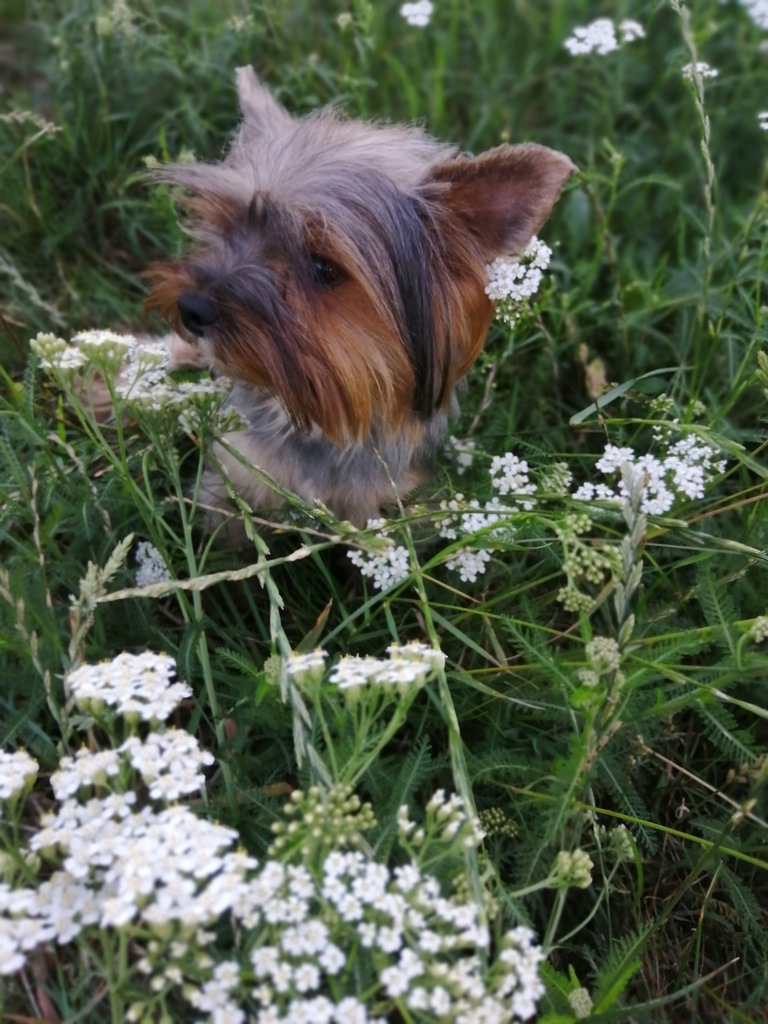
(261, 111)
(503, 196)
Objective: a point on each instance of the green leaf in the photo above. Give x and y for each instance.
(623, 962)
(614, 393)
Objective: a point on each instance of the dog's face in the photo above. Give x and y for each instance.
(341, 264)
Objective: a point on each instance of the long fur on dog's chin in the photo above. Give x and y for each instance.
(354, 481)
(338, 274)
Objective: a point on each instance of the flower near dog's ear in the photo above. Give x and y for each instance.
(504, 196)
(261, 111)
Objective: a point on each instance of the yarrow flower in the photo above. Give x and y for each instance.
(55, 354)
(105, 347)
(139, 373)
(463, 451)
(513, 280)
(682, 471)
(418, 13)
(758, 631)
(572, 869)
(137, 685)
(170, 762)
(307, 668)
(604, 658)
(630, 30)
(603, 654)
(700, 68)
(464, 519)
(582, 560)
(602, 36)
(337, 817)
(758, 11)
(170, 881)
(469, 563)
(118, 21)
(408, 667)
(18, 771)
(193, 401)
(240, 22)
(87, 768)
(386, 567)
(509, 475)
(580, 1002)
(617, 841)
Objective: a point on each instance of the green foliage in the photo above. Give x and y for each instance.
(653, 319)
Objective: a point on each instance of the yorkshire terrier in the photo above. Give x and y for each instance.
(338, 277)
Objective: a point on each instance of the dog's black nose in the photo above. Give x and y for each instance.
(197, 313)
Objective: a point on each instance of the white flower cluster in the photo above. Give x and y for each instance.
(580, 1002)
(170, 763)
(466, 518)
(509, 475)
(55, 354)
(133, 685)
(408, 665)
(572, 868)
(105, 345)
(86, 768)
(418, 13)
(682, 471)
(17, 771)
(758, 11)
(117, 863)
(758, 631)
(119, 20)
(602, 36)
(762, 120)
(690, 71)
(159, 867)
(463, 451)
(469, 563)
(446, 819)
(604, 658)
(170, 882)
(405, 923)
(386, 567)
(150, 565)
(603, 654)
(240, 23)
(106, 348)
(308, 668)
(463, 520)
(513, 280)
(141, 377)
(424, 944)
(194, 402)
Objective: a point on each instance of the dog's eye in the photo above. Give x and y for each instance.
(325, 272)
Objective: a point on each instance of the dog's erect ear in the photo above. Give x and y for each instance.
(503, 197)
(261, 110)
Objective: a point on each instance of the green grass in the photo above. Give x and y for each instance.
(656, 291)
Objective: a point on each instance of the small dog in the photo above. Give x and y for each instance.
(338, 278)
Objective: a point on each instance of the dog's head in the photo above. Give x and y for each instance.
(341, 264)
